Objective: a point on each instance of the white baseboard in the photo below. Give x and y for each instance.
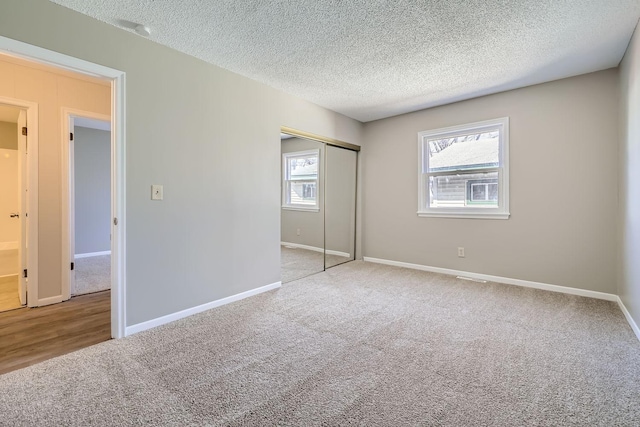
(91, 254)
(49, 301)
(498, 279)
(299, 246)
(517, 282)
(338, 253)
(315, 249)
(632, 323)
(133, 329)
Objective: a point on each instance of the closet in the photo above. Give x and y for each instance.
(318, 206)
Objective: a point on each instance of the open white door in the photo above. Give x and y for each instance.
(71, 211)
(23, 186)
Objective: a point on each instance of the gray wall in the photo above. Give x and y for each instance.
(310, 223)
(92, 168)
(188, 125)
(629, 175)
(563, 131)
(9, 136)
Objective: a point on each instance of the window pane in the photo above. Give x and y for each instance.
(303, 167)
(302, 193)
(493, 192)
(476, 189)
(478, 192)
(464, 152)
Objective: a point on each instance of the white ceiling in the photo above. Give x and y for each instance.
(371, 59)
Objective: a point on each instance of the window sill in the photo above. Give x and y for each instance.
(467, 215)
(301, 208)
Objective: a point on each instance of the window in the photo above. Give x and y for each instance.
(300, 180)
(464, 171)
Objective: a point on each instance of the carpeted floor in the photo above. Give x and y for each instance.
(93, 274)
(360, 344)
(297, 263)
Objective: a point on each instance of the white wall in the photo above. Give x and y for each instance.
(563, 187)
(629, 175)
(9, 195)
(188, 124)
(9, 191)
(8, 135)
(92, 176)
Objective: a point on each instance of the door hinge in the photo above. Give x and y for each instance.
(24, 131)
(115, 221)
(72, 266)
(71, 136)
(24, 273)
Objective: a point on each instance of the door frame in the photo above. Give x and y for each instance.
(117, 78)
(68, 196)
(32, 198)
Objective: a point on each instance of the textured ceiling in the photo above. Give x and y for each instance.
(371, 59)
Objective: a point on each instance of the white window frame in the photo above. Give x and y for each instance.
(286, 204)
(501, 210)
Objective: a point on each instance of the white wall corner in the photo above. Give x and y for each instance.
(627, 315)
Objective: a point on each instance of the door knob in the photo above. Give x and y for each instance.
(15, 215)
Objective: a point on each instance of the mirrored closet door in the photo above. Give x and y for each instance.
(318, 206)
(302, 209)
(340, 205)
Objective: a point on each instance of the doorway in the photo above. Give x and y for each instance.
(87, 266)
(18, 196)
(115, 79)
(13, 185)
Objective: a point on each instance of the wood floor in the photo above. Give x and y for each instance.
(9, 299)
(32, 335)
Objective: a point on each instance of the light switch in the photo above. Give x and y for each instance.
(157, 192)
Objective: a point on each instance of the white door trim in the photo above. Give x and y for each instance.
(118, 143)
(23, 182)
(68, 189)
(32, 198)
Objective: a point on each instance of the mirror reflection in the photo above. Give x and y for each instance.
(302, 210)
(340, 205)
(318, 205)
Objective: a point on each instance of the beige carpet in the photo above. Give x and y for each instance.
(297, 263)
(360, 344)
(93, 274)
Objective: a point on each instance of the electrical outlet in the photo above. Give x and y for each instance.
(460, 252)
(157, 192)
(298, 232)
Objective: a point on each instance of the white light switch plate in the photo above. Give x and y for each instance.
(157, 192)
